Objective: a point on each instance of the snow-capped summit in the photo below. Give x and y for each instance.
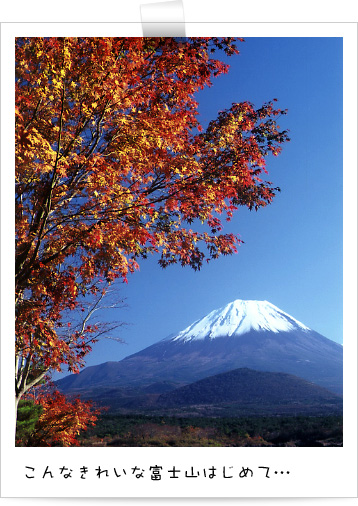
(244, 334)
(238, 318)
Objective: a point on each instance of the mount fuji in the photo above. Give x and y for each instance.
(243, 334)
(240, 317)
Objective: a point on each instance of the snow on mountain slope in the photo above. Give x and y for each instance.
(238, 318)
(243, 334)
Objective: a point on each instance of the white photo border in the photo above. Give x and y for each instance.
(314, 472)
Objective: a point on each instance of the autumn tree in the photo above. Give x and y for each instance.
(112, 165)
(50, 419)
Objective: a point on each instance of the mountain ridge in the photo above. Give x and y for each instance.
(242, 389)
(251, 334)
(241, 392)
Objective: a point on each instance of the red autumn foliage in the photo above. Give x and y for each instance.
(112, 165)
(61, 420)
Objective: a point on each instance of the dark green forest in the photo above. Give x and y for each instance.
(141, 430)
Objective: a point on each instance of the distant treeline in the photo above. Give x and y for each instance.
(141, 430)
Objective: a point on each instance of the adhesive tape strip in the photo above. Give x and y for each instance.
(163, 19)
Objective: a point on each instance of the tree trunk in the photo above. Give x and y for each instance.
(17, 400)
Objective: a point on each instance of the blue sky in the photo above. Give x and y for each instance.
(292, 251)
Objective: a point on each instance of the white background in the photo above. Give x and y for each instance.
(314, 472)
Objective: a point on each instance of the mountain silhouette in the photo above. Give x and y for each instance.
(244, 334)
